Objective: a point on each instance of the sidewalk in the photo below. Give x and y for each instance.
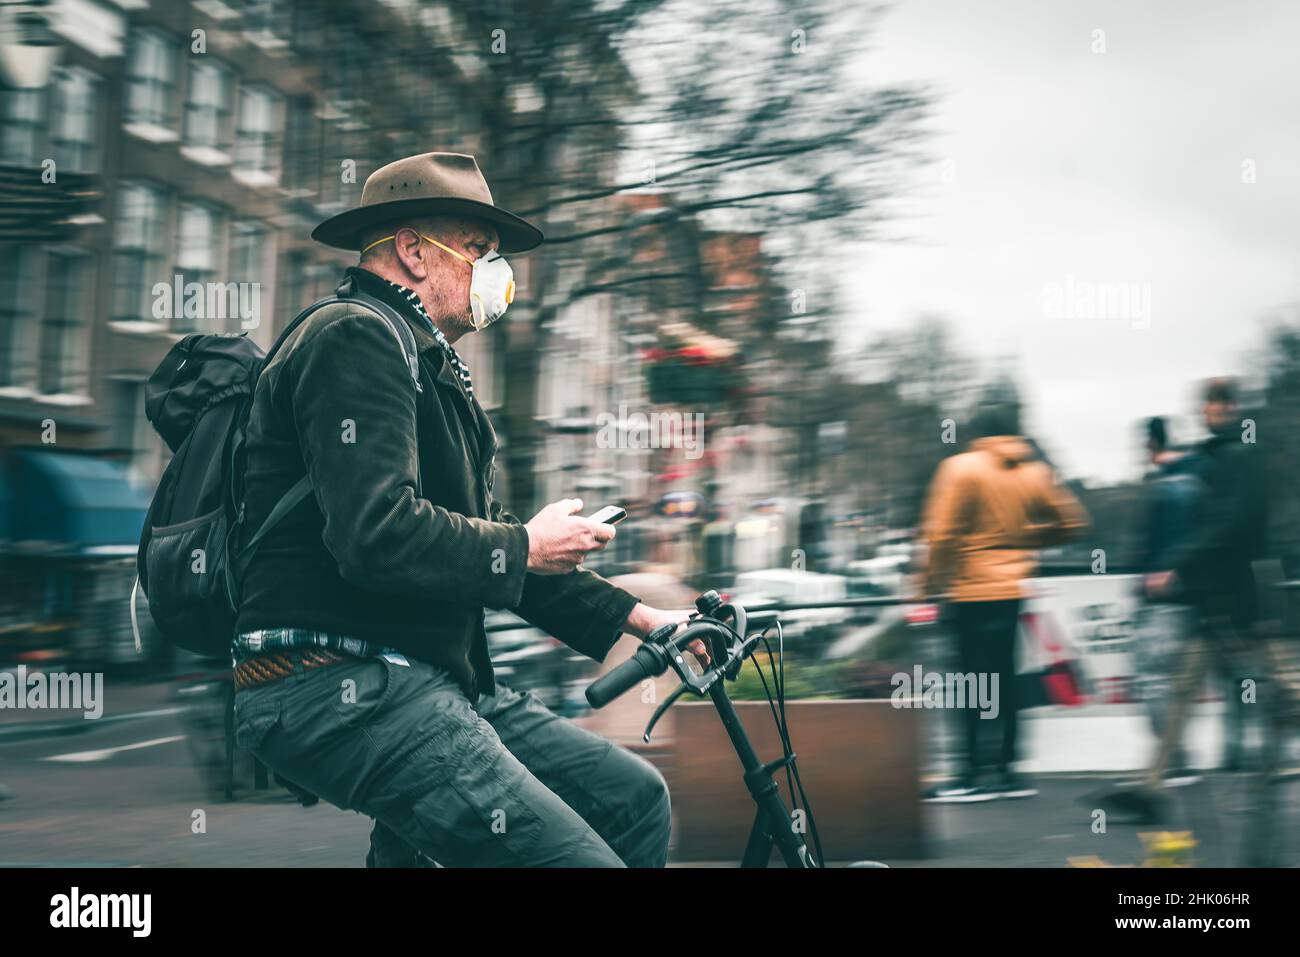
(1095, 739)
(51, 822)
(1060, 827)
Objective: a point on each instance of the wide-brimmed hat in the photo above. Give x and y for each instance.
(430, 184)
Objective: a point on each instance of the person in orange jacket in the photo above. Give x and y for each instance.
(989, 510)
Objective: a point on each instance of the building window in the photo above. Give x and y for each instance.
(128, 397)
(301, 147)
(137, 252)
(207, 107)
(247, 247)
(75, 112)
(247, 255)
(22, 118)
(64, 360)
(322, 280)
(268, 23)
(302, 281)
(197, 253)
(293, 285)
(341, 140)
(151, 79)
(17, 322)
(256, 135)
(132, 432)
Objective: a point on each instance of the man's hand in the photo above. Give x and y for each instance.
(643, 619)
(559, 539)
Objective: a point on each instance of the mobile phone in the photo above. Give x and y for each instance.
(609, 515)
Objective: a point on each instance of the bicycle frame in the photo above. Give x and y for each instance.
(772, 825)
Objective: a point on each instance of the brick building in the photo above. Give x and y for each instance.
(164, 180)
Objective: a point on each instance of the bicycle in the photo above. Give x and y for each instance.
(728, 646)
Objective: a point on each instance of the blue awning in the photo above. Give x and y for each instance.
(74, 503)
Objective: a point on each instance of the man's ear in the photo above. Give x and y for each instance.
(411, 252)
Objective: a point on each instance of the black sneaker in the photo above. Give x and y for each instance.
(1012, 786)
(962, 791)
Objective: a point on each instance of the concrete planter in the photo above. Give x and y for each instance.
(859, 761)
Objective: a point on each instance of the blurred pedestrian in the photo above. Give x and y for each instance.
(989, 509)
(1164, 622)
(1212, 571)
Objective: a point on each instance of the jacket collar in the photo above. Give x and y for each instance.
(427, 338)
(381, 288)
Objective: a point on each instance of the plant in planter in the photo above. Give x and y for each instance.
(859, 756)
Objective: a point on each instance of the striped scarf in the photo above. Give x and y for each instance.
(453, 356)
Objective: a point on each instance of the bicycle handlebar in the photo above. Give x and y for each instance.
(667, 647)
(648, 662)
(659, 649)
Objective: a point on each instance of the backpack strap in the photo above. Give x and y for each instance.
(297, 321)
(298, 491)
(347, 291)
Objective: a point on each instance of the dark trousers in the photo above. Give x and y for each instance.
(497, 781)
(1237, 655)
(986, 645)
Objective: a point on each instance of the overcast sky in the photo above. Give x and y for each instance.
(1059, 167)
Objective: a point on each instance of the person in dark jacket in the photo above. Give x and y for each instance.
(363, 673)
(1211, 570)
(1171, 490)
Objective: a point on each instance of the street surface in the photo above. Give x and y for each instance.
(122, 791)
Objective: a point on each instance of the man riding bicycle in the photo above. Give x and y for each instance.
(362, 667)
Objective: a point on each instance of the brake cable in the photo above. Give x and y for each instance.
(793, 778)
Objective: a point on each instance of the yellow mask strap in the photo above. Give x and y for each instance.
(428, 239)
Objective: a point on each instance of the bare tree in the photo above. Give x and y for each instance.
(750, 115)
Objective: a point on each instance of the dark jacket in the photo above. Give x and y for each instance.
(1229, 530)
(367, 558)
(1172, 496)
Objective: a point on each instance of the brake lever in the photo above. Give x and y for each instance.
(659, 711)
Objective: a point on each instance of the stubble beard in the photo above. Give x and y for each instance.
(453, 317)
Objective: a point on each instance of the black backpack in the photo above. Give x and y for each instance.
(189, 563)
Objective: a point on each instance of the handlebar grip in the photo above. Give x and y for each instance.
(643, 664)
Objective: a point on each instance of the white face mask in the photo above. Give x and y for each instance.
(491, 289)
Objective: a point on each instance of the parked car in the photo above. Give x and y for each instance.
(886, 573)
(815, 626)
